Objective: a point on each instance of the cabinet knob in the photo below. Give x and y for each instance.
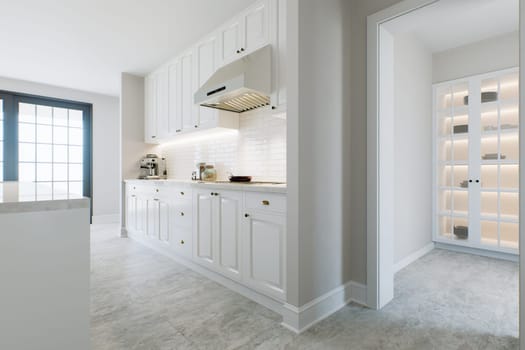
(265, 202)
(470, 181)
(242, 49)
(153, 137)
(133, 195)
(246, 215)
(178, 130)
(196, 126)
(212, 194)
(181, 214)
(157, 190)
(182, 242)
(477, 181)
(238, 51)
(182, 193)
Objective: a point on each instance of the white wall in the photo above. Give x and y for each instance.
(106, 131)
(317, 169)
(477, 58)
(257, 149)
(355, 147)
(413, 146)
(132, 125)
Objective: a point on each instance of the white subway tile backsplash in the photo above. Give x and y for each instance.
(258, 149)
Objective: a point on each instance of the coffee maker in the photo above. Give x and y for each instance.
(152, 167)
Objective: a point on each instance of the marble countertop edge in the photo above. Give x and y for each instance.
(239, 186)
(43, 205)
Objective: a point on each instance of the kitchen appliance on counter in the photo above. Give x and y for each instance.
(199, 169)
(152, 167)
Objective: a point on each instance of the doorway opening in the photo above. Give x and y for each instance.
(444, 155)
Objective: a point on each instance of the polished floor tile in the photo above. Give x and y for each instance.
(445, 300)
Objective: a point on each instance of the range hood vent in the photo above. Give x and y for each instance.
(240, 86)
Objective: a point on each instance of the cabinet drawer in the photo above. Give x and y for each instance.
(174, 193)
(182, 242)
(270, 202)
(182, 214)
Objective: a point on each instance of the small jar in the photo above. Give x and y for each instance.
(209, 174)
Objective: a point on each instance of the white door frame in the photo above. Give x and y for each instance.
(380, 142)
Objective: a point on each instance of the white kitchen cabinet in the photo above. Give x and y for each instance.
(175, 97)
(278, 38)
(206, 63)
(228, 232)
(246, 33)
(256, 27)
(264, 238)
(476, 163)
(150, 109)
(188, 107)
(131, 211)
(203, 245)
(230, 41)
(152, 218)
(162, 100)
(217, 231)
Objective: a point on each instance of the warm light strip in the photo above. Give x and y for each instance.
(465, 92)
(201, 136)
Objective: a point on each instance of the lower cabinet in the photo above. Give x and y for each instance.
(164, 220)
(265, 248)
(240, 235)
(217, 231)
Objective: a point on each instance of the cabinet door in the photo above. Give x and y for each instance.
(188, 89)
(228, 229)
(264, 245)
(256, 23)
(175, 98)
(150, 118)
(164, 221)
(206, 58)
(152, 218)
(162, 100)
(141, 205)
(230, 41)
(131, 213)
(203, 247)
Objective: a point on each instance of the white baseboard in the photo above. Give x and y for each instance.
(413, 257)
(480, 252)
(106, 219)
(295, 319)
(299, 319)
(270, 303)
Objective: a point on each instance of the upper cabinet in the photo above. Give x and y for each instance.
(169, 91)
(245, 33)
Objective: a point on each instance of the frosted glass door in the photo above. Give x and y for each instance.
(452, 117)
(499, 160)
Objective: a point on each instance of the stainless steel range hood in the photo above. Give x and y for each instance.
(240, 86)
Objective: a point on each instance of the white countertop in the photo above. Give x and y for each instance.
(18, 197)
(224, 185)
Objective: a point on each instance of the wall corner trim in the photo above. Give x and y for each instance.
(299, 319)
(413, 257)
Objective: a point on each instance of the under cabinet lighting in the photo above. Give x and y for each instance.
(202, 136)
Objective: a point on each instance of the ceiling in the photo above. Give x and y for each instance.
(85, 45)
(452, 23)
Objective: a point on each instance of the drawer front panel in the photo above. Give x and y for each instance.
(269, 202)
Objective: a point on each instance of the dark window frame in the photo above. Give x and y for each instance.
(11, 101)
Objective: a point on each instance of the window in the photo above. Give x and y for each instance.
(48, 145)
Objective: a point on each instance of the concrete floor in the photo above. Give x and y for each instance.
(445, 300)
